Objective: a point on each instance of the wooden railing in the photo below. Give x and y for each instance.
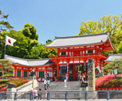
(78, 55)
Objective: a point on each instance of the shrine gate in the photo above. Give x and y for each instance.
(74, 52)
(73, 55)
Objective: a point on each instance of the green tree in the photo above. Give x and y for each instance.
(4, 24)
(31, 32)
(111, 24)
(24, 44)
(116, 64)
(40, 52)
(5, 67)
(35, 52)
(119, 49)
(48, 42)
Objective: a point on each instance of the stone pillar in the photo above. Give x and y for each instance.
(91, 75)
(11, 91)
(35, 82)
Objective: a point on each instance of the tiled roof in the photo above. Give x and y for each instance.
(79, 40)
(112, 57)
(29, 62)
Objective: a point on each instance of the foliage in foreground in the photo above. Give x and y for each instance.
(6, 67)
(18, 82)
(109, 81)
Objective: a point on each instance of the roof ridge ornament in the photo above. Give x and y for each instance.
(81, 35)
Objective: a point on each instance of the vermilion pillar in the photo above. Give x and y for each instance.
(46, 70)
(95, 50)
(36, 74)
(84, 50)
(15, 72)
(96, 61)
(100, 64)
(22, 72)
(57, 71)
(85, 68)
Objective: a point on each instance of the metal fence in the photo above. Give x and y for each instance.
(64, 95)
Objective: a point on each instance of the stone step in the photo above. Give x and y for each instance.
(60, 86)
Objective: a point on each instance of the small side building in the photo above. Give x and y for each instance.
(23, 67)
(112, 57)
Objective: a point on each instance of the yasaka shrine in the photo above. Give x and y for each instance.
(73, 55)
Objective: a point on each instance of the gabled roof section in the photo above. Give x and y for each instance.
(79, 40)
(112, 57)
(29, 62)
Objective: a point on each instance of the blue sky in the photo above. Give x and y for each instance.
(57, 17)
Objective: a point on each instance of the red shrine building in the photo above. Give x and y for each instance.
(73, 55)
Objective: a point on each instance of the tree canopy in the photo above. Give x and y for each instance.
(41, 52)
(4, 24)
(27, 45)
(111, 24)
(23, 45)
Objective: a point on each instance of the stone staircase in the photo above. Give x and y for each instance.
(59, 86)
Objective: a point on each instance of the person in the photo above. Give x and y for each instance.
(32, 91)
(82, 77)
(65, 83)
(48, 83)
(78, 76)
(45, 76)
(35, 93)
(40, 94)
(45, 84)
(55, 77)
(45, 96)
(66, 77)
(48, 77)
(48, 80)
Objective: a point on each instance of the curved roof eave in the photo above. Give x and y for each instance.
(73, 45)
(34, 66)
(101, 37)
(111, 41)
(29, 62)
